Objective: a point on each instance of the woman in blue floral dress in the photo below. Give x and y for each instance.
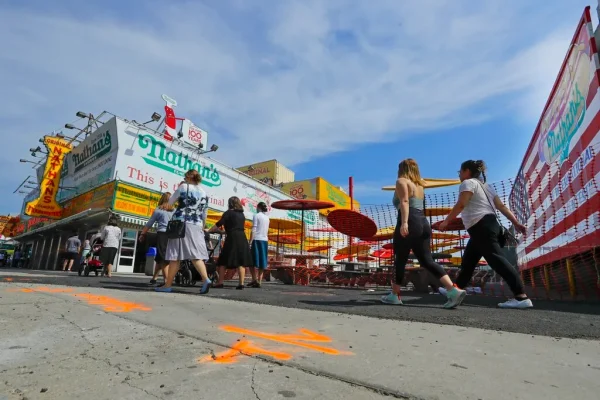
(192, 208)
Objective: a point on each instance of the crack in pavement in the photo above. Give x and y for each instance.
(252, 384)
(128, 383)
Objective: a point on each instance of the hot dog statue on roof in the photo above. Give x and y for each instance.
(170, 119)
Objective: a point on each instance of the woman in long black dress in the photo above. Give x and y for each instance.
(236, 250)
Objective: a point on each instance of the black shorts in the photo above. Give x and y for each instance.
(107, 255)
(162, 239)
(71, 256)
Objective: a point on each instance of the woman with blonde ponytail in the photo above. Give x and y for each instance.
(413, 232)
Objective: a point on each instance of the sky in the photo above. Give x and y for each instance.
(330, 88)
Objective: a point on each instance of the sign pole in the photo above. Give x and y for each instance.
(351, 193)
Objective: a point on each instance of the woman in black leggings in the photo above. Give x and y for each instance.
(477, 203)
(414, 233)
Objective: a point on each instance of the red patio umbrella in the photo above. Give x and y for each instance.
(383, 253)
(339, 257)
(366, 258)
(352, 223)
(455, 225)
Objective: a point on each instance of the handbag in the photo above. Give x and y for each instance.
(504, 236)
(176, 228)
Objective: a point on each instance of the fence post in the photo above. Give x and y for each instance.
(532, 278)
(547, 279)
(571, 277)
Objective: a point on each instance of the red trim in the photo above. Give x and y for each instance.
(302, 204)
(580, 214)
(579, 246)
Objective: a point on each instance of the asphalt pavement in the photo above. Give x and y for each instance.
(565, 319)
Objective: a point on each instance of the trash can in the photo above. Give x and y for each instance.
(149, 268)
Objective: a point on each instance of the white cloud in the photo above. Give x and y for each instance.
(288, 79)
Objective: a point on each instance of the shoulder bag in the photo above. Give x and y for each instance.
(504, 236)
(176, 228)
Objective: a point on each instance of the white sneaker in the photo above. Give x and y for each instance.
(515, 303)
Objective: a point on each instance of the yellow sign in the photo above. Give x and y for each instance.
(46, 205)
(327, 192)
(4, 222)
(266, 171)
(133, 200)
(101, 197)
(301, 189)
(430, 183)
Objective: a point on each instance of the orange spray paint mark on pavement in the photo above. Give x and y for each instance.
(8, 279)
(294, 340)
(305, 340)
(110, 304)
(244, 347)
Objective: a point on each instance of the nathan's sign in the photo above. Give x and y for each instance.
(46, 205)
(567, 110)
(90, 152)
(159, 156)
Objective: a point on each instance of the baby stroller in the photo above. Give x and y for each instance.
(187, 274)
(92, 261)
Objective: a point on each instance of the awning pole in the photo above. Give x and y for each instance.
(57, 251)
(49, 250)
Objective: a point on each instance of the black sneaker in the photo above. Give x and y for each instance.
(153, 281)
(240, 287)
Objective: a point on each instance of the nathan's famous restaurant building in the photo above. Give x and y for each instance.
(123, 167)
